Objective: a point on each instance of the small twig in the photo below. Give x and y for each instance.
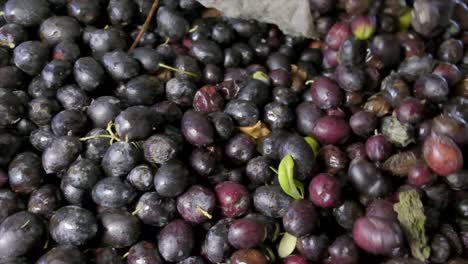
(95, 136)
(112, 136)
(109, 130)
(46, 244)
(195, 28)
(177, 70)
(138, 209)
(137, 144)
(204, 212)
(25, 224)
(145, 26)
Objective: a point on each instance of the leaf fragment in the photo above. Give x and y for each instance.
(287, 245)
(290, 186)
(399, 164)
(313, 143)
(211, 12)
(261, 76)
(404, 21)
(377, 105)
(258, 131)
(398, 133)
(298, 76)
(412, 219)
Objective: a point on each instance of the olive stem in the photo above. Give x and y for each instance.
(274, 170)
(195, 28)
(205, 213)
(137, 144)
(145, 26)
(46, 244)
(25, 224)
(162, 65)
(138, 209)
(96, 136)
(112, 134)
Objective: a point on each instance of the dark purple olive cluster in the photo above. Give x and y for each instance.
(146, 132)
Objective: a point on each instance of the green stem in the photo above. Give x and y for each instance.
(96, 136)
(195, 28)
(162, 65)
(145, 26)
(205, 213)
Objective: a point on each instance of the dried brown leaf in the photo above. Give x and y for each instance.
(400, 134)
(377, 105)
(258, 131)
(399, 164)
(165, 75)
(211, 12)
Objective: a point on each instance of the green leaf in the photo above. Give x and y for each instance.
(404, 21)
(276, 233)
(300, 186)
(287, 245)
(313, 144)
(286, 178)
(411, 216)
(269, 254)
(261, 76)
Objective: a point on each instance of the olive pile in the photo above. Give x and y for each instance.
(145, 132)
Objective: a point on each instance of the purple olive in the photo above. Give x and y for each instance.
(325, 190)
(251, 256)
(207, 100)
(420, 175)
(450, 72)
(233, 198)
(295, 259)
(363, 123)
(377, 235)
(197, 128)
(306, 115)
(442, 155)
(326, 93)
(331, 130)
(333, 159)
(300, 218)
(343, 251)
(378, 148)
(337, 34)
(196, 204)
(382, 209)
(411, 110)
(246, 233)
(432, 87)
